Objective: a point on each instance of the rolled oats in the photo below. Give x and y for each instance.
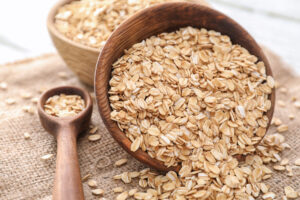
(122, 196)
(93, 130)
(3, 85)
(90, 22)
(297, 162)
(47, 156)
(291, 116)
(98, 192)
(284, 161)
(121, 162)
(94, 137)
(118, 190)
(193, 98)
(182, 108)
(64, 105)
(276, 121)
(297, 104)
(86, 177)
(132, 192)
(35, 100)
(282, 128)
(10, 101)
(28, 109)
(290, 192)
(26, 135)
(92, 183)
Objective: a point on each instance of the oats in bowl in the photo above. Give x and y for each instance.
(90, 22)
(64, 105)
(190, 95)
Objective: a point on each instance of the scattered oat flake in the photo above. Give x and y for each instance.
(122, 196)
(98, 192)
(282, 128)
(297, 162)
(291, 116)
(269, 195)
(290, 192)
(35, 100)
(93, 130)
(284, 161)
(297, 104)
(92, 183)
(26, 135)
(10, 101)
(118, 189)
(28, 109)
(47, 156)
(279, 167)
(276, 121)
(3, 85)
(121, 162)
(132, 192)
(86, 177)
(94, 137)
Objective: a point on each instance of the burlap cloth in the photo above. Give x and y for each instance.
(23, 175)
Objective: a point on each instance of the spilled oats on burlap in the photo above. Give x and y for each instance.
(24, 175)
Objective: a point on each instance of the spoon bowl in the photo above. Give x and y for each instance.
(67, 184)
(152, 21)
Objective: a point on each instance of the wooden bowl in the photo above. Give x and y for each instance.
(152, 21)
(81, 59)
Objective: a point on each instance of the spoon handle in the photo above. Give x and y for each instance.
(67, 183)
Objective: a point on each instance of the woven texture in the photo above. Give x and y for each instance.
(23, 175)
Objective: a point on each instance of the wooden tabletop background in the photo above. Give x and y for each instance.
(273, 23)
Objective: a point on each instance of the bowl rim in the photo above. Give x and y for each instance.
(102, 96)
(52, 29)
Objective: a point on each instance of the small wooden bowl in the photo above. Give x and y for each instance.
(152, 21)
(81, 59)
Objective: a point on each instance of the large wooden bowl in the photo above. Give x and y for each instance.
(152, 21)
(81, 59)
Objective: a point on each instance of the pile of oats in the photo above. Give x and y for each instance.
(90, 22)
(64, 105)
(217, 179)
(193, 98)
(190, 94)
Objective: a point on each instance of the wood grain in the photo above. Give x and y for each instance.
(67, 183)
(152, 21)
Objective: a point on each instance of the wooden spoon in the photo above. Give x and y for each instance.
(151, 21)
(67, 184)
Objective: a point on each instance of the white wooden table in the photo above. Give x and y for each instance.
(274, 23)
